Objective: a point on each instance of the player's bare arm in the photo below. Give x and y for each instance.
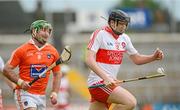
(55, 87)
(140, 59)
(11, 75)
(56, 81)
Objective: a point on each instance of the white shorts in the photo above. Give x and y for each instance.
(25, 100)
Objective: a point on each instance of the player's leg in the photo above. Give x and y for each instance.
(99, 98)
(123, 99)
(97, 106)
(23, 102)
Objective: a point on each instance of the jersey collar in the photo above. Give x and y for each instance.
(108, 29)
(31, 41)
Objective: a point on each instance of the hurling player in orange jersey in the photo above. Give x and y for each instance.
(32, 58)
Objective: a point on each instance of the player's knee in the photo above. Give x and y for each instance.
(131, 105)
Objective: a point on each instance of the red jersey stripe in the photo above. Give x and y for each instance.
(109, 56)
(91, 42)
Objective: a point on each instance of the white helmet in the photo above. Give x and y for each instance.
(65, 68)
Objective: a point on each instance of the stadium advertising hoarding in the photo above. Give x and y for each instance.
(162, 106)
(140, 18)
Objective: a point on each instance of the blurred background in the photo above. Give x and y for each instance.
(154, 23)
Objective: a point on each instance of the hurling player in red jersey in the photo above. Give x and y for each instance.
(104, 57)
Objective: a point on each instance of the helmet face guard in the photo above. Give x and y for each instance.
(37, 25)
(116, 16)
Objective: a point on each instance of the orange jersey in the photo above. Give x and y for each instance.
(32, 61)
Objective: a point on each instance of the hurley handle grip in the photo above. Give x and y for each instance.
(34, 80)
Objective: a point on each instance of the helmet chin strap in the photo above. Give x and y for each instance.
(40, 40)
(116, 32)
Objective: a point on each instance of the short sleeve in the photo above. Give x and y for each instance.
(95, 41)
(130, 48)
(15, 57)
(56, 68)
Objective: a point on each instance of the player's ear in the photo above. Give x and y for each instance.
(112, 24)
(34, 31)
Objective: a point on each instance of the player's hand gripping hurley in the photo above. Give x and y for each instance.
(65, 56)
(160, 73)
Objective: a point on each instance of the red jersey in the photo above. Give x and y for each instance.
(32, 61)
